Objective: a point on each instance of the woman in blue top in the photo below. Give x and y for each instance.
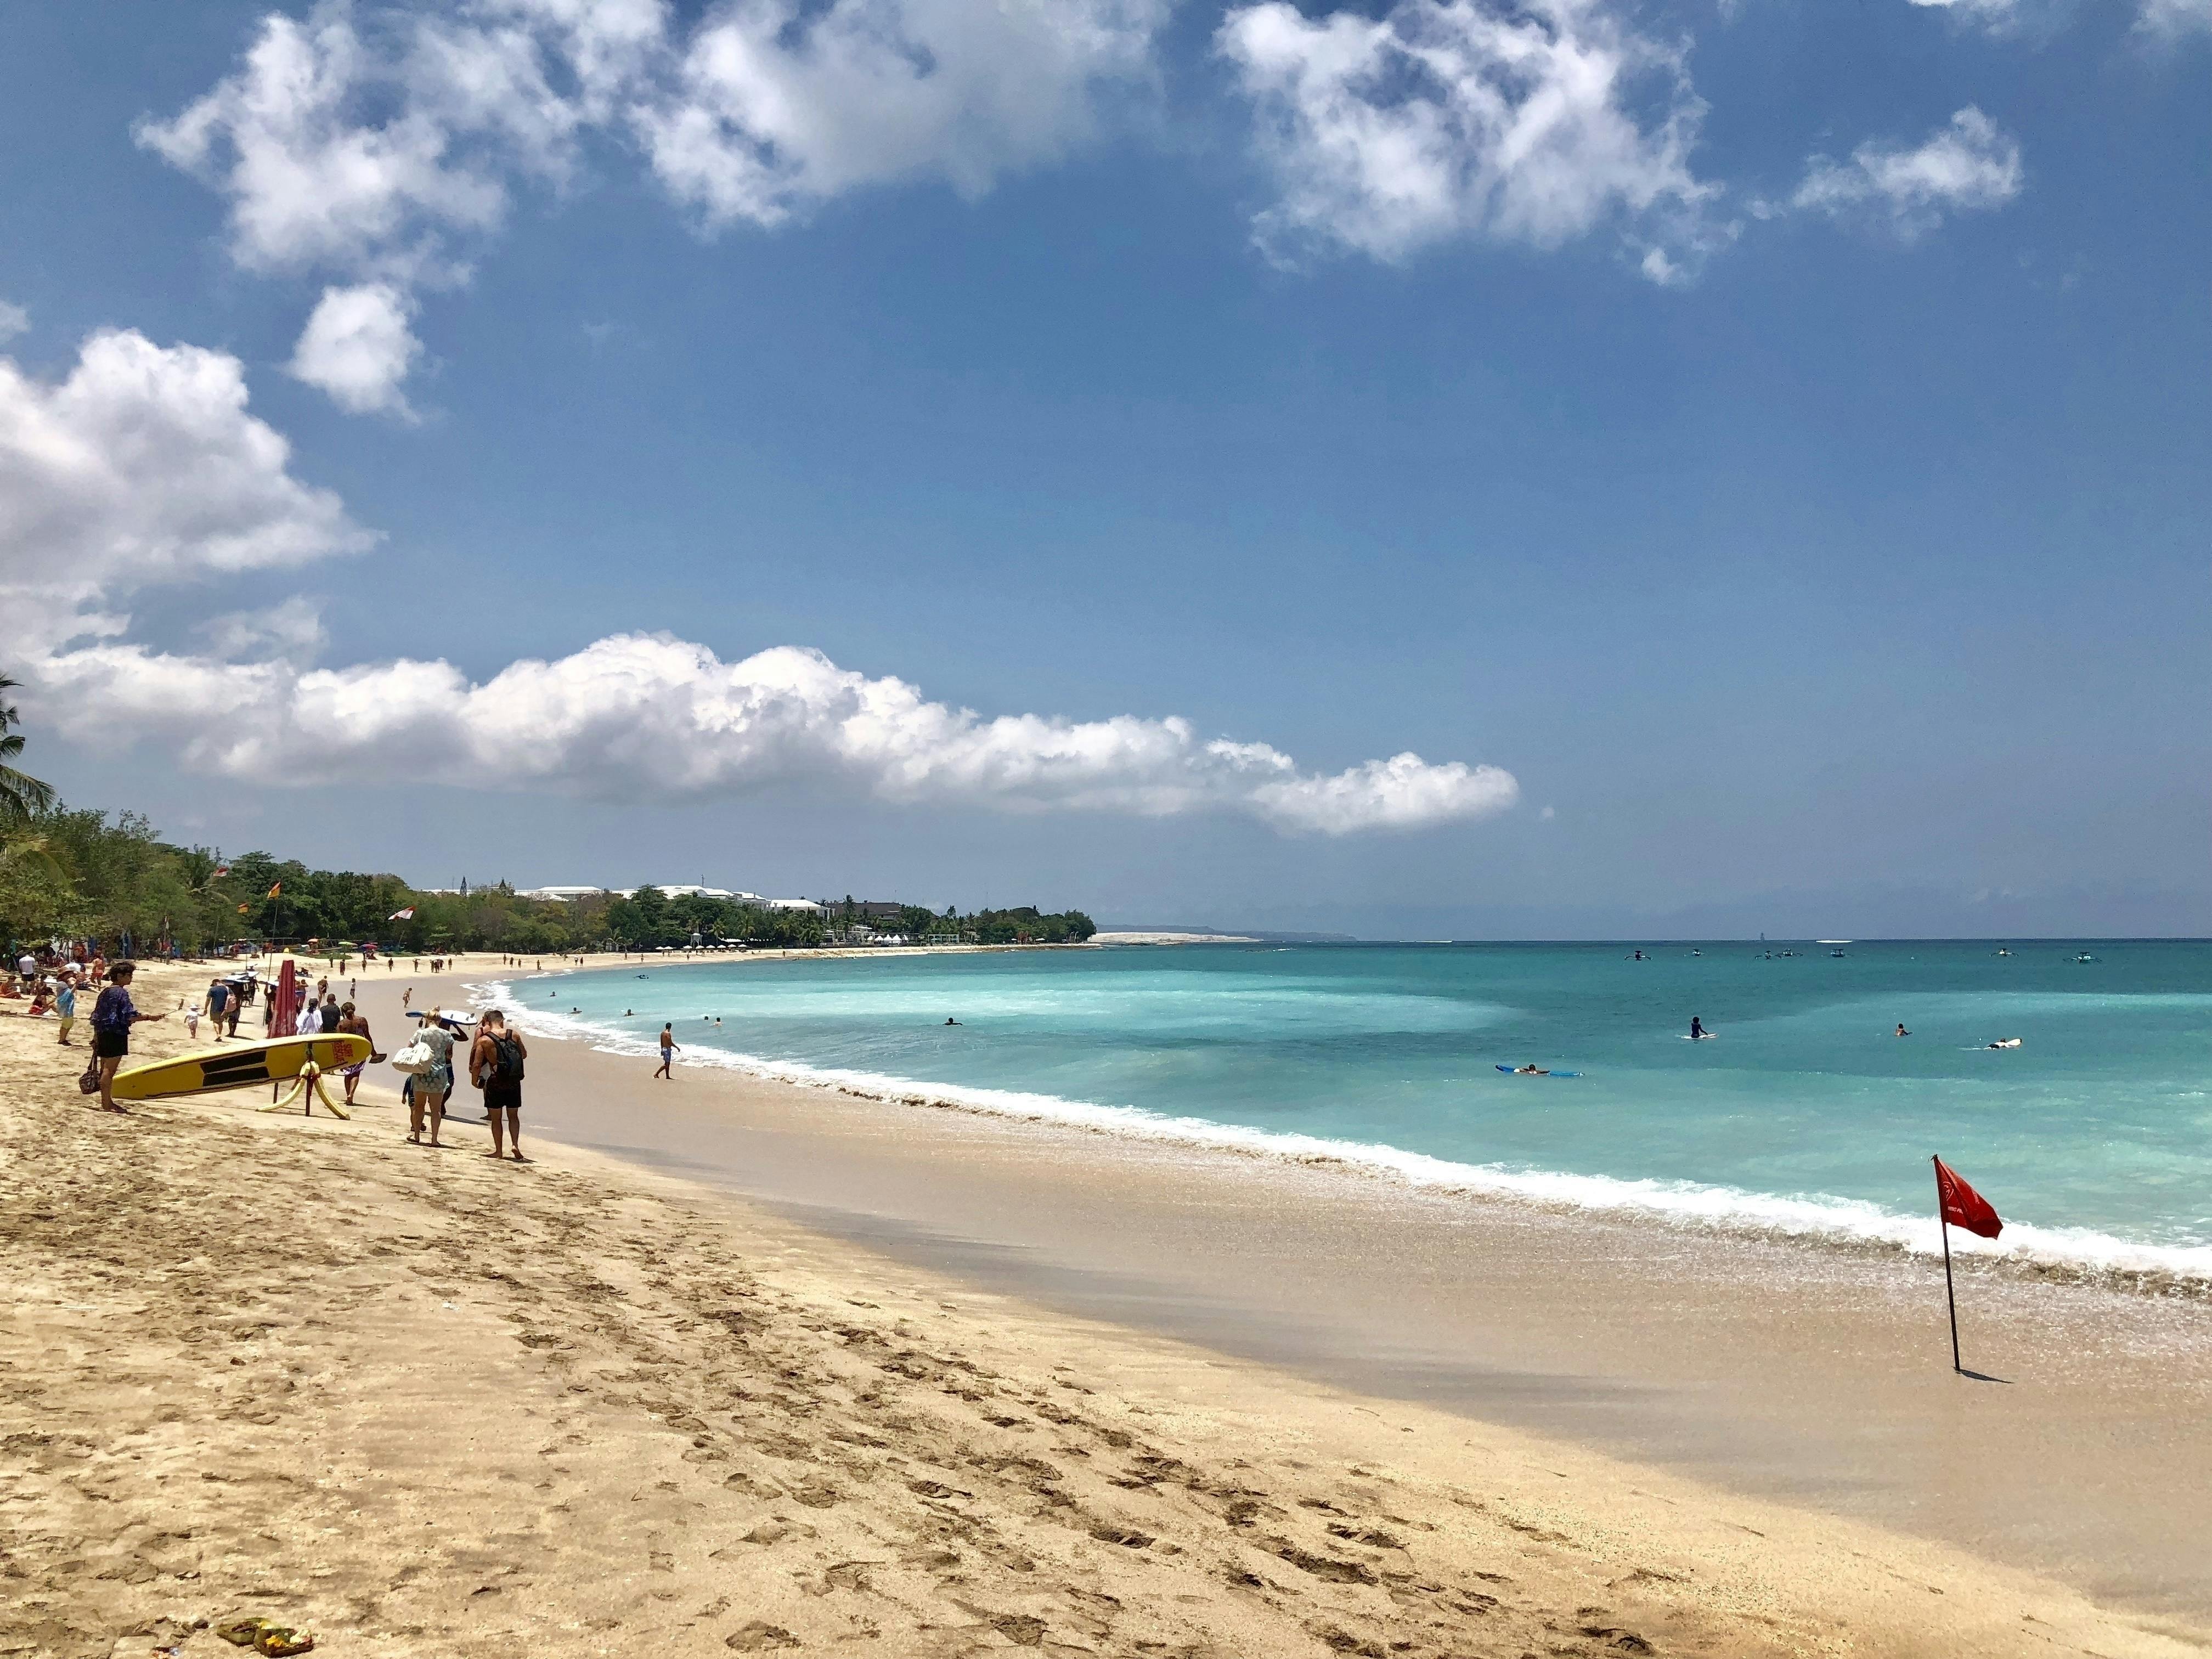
(112, 1017)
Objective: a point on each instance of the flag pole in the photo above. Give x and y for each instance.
(1950, 1295)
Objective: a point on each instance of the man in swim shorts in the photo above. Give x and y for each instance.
(496, 1063)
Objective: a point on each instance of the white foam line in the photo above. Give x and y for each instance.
(1819, 1219)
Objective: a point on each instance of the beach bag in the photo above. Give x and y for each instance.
(89, 1083)
(415, 1059)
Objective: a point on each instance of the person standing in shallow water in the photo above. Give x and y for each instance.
(669, 1045)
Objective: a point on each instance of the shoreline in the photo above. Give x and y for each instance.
(1804, 1375)
(2052, 1255)
(290, 1366)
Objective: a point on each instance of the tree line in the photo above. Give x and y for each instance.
(75, 873)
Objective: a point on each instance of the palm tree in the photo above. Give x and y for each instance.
(21, 794)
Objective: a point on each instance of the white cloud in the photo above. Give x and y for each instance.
(1534, 124)
(14, 320)
(2163, 18)
(1967, 166)
(2173, 17)
(381, 144)
(362, 148)
(358, 346)
(291, 628)
(141, 468)
(641, 716)
(778, 104)
(1992, 12)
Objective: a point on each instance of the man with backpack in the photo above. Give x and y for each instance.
(495, 1066)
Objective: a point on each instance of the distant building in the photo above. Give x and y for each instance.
(671, 890)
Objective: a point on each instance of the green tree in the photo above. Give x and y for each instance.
(22, 795)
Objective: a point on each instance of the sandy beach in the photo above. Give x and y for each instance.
(793, 1372)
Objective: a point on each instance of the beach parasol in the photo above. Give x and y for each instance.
(284, 1004)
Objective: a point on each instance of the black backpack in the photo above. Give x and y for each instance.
(509, 1067)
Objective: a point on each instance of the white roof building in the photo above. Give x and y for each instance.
(671, 889)
(793, 904)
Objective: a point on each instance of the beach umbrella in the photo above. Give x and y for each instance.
(284, 1000)
(284, 1005)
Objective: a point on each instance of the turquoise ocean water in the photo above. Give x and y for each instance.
(1806, 1113)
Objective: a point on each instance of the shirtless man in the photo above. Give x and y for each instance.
(495, 1067)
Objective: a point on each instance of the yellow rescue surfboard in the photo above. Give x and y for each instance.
(237, 1066)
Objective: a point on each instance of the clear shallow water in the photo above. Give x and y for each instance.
(1806, 1113)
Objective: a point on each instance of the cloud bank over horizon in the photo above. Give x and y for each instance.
(143, 470)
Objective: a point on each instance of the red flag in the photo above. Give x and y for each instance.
(1962, 1205)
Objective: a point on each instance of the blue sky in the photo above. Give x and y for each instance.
(1299, 379)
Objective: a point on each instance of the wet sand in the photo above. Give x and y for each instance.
(422, 1402)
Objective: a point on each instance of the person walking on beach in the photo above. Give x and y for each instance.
(218, 1002)
(112, 1017)
(434, 1084)
(354, 1024)
(669, 1045)
(66, 1008)
(496, 1063)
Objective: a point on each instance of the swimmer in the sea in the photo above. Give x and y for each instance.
(949, 1020)
(1901, 1031)
(1530, 1070)
(1698, 1031)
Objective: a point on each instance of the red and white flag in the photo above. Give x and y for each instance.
(1963, 1206)
(407, 915)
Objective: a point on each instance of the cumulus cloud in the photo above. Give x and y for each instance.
(143, 469)
(776, 105)
(1967, 166)
(358, 346)
(1535, 124)
(641, 716)
(381, 144)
